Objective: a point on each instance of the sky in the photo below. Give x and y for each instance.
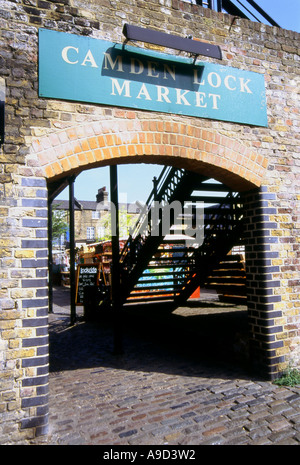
(285, 12)
(135, 181)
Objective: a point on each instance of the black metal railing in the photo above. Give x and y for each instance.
(162, 190)
(247, 9)
(152, 271)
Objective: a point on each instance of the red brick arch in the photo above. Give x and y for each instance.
(132, 140)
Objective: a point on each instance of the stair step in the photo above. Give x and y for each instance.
(212, 187)
(159, 267)
(228, 266)
(221, 220)
(167, 273)
(153, 299)
(175, 249)
(215, 210)
(169, 288)
(153, 295)
(158, 281)
(233, 272)
(228, 289)
(215, 200)
(226, 281)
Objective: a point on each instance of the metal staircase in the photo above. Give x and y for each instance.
(228, 279)
(247, 9)
(160, 266)
(147, 235)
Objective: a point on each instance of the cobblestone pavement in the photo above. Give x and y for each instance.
(166, 390)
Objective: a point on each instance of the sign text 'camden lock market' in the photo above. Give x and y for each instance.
(89, 70)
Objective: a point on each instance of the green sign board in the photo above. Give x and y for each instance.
(85, 69)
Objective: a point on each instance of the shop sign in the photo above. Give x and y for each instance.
(85, 69)
(86, 275)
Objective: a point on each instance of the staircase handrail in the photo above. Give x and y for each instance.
(217, 215)
(162, 184)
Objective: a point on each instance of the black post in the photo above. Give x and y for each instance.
(219, 6)
(155, 183)
(115, 270)
(50, 258)
(71, 181)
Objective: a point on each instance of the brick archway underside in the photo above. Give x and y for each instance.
(109, 142)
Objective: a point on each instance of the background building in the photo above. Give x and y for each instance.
(92, 218)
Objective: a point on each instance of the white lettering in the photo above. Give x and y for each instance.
(152, 70)
(140, 66)
(244, 85)
(196, 81)
(162, 94)
(143, 91)
(118, 60)
(90, 59)
(215, 101)
(170, 71)
(116, 86)
(64, 55)
(120, 455)
(181, 100)
(210, 78)
(227, 83)
(88, 270)
(200, 96)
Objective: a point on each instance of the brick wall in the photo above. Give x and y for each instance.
(134, 139)
(46, 139)
(273, 322)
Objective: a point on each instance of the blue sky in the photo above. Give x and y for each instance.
(135, 181)
(285, 12)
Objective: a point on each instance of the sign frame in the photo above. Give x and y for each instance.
(85, 69)
(96, 277)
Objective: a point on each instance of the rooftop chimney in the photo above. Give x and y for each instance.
(102, 195)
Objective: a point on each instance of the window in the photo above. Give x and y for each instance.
(96, 215)
(90, 233)
(101, 232)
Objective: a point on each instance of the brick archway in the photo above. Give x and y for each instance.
(119, 141)
(132, 140)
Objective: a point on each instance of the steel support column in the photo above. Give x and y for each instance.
(71, 181)
(115, 271)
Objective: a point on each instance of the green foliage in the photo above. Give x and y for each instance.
(59, 223)
(290, 378)
(126, 221)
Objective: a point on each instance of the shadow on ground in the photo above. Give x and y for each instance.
(202, 337)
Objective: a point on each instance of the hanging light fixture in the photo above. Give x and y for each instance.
(189, 45)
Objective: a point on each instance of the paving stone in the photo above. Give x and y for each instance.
(213, 441)
(279, 425)
(280, 436)
(261, 442)
(262, 431)
(152, 396)
(252, 425)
